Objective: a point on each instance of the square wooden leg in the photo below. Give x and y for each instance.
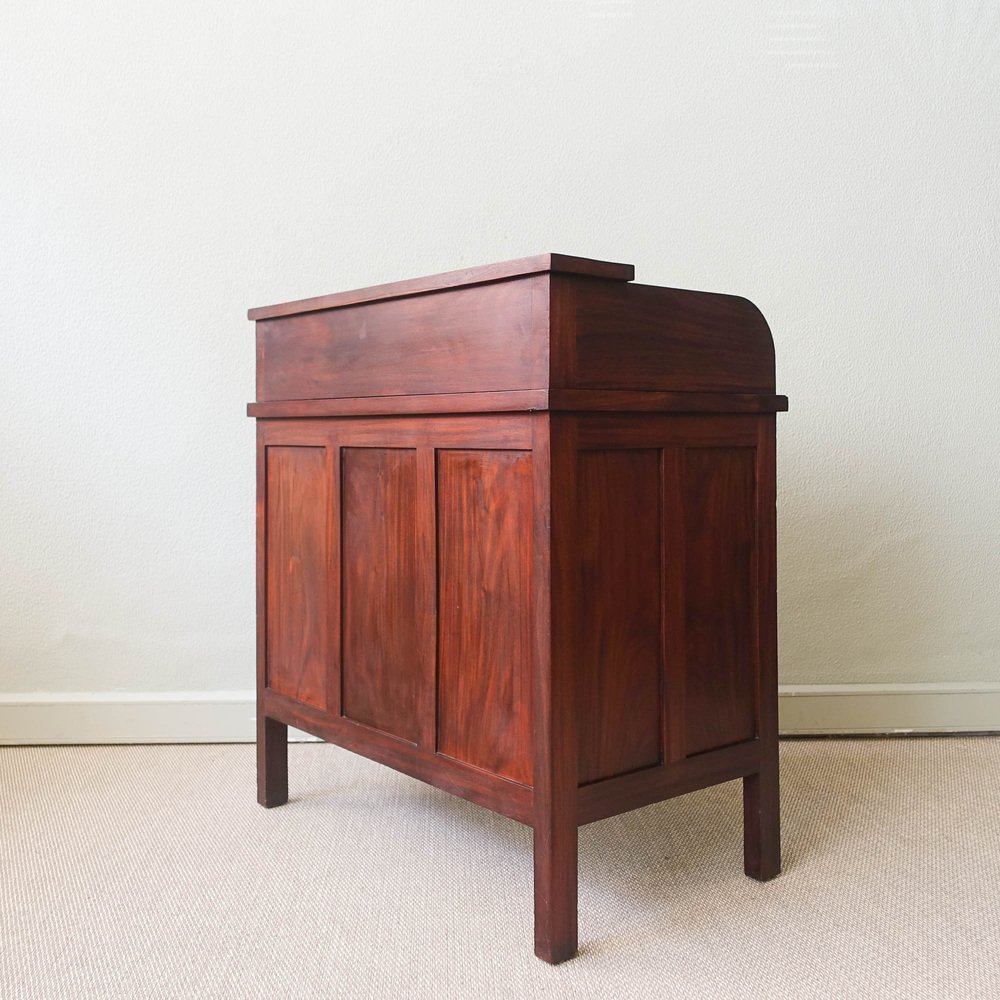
(555, 887)
(761, 824)
(272, 762)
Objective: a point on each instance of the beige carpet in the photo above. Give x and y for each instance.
(150, 872)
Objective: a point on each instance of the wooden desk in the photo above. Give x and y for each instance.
(516, 538)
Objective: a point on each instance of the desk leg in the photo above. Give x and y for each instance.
(761, 823)
(272, 762)
(555, 886)
(761, 810)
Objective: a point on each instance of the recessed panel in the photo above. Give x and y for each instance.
(382, 670)
(484, 579)
(618, 656)
(297, 616)
(718, 493)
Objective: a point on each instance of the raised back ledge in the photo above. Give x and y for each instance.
(539, 264)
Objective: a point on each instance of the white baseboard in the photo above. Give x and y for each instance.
(813, 709)
(228, 716)
(131, 717)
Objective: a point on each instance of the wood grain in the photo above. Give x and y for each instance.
(673, 602)
(522, 267)
(430, 403)
(272, 737)
(484, 619)
(653, 784)
(385, 665)
(761, 806)
(658, 430)
(298, 644)
(719, 509)
(459, 431)
(462, 340)
(515, 400)
(516, 538)
(651, 401)
(618, 650)
(555, 842)
(488, 790)
(646, 337)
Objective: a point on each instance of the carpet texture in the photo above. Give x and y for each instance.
(149, 872)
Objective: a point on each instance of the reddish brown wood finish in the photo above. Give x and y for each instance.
(460, 340)
(516, 538)
(555, 731)
(673, 603)
(761, 807)
(719, 597)
(519, 327)
(545, 263)
(518, 400)
(617, 639)
(509, 798)
(633, 337)
(385, 663)
(297, 586)
(653, 784)
(484, 638)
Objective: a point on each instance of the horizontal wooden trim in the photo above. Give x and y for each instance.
(641, 788)
(509, 798)
(546, 262)
(648, 401)
(524, 400)
(661, 430)
(460, 430)
(516, 400)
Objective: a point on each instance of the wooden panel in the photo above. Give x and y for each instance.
(645, 337)
(719, 508)
(297, 618)
(468, 339)
(384, 666)
(618, 655)
(484, 619)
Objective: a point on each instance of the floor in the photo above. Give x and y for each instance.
(150, 872)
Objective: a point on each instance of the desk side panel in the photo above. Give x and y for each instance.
(663, 594)
(610, 335)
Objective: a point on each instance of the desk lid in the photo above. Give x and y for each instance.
(539, 264)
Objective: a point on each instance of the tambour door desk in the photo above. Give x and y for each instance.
(516, 538)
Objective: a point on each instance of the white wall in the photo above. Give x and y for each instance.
(163, 166)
